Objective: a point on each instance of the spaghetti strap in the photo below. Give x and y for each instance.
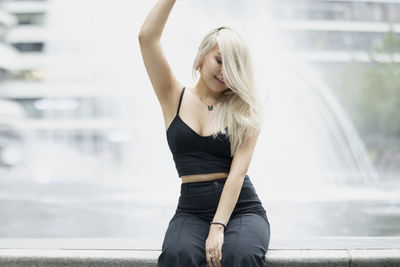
(180, 100)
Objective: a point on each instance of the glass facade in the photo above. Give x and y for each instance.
(30, 18)
(331, 40)
(334, 26)
(335, 10)
(29, 47)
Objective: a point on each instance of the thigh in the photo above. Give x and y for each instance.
(184, 241)
(246, 241)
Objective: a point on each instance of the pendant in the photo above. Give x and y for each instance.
(210, 108)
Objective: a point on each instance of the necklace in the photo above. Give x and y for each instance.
(210, 107)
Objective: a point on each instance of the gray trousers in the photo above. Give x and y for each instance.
(246, 238)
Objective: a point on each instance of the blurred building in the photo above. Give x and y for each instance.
(40, 98)
(10, 110)
(331, 32)
(8, 54)
(25, 33)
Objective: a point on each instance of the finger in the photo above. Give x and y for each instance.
(213, 262)
(214, 259)
(208, 259)
(217, 258)
(209, 264)
(217, 263)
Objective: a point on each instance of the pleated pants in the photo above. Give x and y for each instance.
(246, 238)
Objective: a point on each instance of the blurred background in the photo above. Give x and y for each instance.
(83, 149)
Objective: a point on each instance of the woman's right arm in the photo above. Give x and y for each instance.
(162, 79)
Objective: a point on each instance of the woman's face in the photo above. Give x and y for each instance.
(211, 71)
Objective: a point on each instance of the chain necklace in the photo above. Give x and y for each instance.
(210, 107)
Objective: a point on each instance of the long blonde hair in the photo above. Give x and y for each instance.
(238, 108)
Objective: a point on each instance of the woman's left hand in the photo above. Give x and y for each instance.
(214, 243)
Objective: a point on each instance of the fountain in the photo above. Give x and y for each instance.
(308, 150)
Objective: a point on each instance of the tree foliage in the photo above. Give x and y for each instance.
(370, 93)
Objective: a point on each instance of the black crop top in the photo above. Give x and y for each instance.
(194, 153)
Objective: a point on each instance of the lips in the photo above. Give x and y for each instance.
(219, 80)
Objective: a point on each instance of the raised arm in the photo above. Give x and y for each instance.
(162, 79)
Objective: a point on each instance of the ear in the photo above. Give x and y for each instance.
(202, 61)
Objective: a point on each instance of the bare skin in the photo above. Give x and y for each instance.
(194, 112)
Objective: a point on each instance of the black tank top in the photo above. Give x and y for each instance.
(194, 153)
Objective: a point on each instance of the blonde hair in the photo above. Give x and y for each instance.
(238, 107)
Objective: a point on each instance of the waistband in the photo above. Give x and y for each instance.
(186, 187)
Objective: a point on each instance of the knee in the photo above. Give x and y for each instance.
(184, 254)
(168, 255)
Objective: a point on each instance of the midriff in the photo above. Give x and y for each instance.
(203, 177)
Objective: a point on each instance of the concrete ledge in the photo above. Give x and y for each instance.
(99, 258)
(104, 252)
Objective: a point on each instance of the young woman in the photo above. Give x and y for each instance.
(212, 129)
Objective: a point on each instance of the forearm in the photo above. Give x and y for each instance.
(155, 21)
(229, 197)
